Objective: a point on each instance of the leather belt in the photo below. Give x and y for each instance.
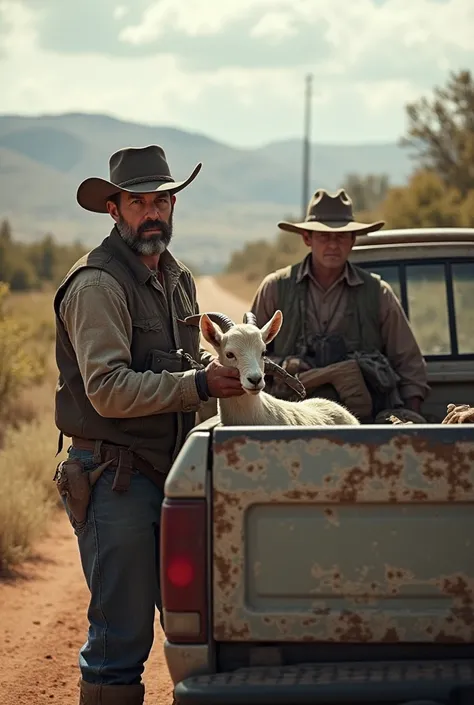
(123, 459)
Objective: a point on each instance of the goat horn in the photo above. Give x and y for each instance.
(295, 384)
(250, 317)
(223, 321)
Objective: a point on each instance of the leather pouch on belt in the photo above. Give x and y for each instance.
(75, 484)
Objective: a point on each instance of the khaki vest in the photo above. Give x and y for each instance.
(360, 327)
(156, 330)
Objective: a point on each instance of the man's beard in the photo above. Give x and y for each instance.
(154, 244)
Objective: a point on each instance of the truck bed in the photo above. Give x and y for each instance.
(360, 534)
(341, 564)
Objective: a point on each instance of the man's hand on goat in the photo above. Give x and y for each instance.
(223, 381)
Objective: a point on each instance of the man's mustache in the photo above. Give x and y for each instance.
(152, 225)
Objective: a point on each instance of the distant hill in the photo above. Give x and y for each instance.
(239, 195)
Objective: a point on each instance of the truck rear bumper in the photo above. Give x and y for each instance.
(354, 683)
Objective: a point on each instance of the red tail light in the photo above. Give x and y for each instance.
(183, 566)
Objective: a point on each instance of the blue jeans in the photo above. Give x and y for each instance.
(119, 549)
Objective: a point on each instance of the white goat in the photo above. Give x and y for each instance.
(243, 346)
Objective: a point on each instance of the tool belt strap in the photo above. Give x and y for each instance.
(124, 460)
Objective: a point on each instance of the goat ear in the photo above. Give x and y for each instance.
(271, 329)
(210, 332)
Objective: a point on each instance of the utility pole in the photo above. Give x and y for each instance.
(306, 145)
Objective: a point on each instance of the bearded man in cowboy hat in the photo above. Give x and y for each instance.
(344, 331)
(127, 396)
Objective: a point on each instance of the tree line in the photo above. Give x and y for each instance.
(33, 266)
(36, 265)
(439, 192)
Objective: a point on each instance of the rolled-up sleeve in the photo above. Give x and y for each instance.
(96, 317)
(401, 347)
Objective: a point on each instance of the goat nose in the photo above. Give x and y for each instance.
(254, 379)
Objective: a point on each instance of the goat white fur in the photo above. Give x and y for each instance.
(244, 347)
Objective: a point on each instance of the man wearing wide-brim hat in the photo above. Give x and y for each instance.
(126, 397)
(344, 331)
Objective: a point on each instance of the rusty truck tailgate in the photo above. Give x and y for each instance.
(345, 534)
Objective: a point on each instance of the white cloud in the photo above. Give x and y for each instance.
(356, 26)
(202, 17)
(120, 11)
(274, 25)
(20, 24)
(234, 69)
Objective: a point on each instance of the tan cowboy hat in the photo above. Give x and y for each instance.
(328, 212)
(134, 170)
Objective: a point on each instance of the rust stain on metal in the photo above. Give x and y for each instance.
(232, 632)
(352, 627)
(396, 578)
(462, 592)
(295, 468)
(390, 636)
(345, 625)
(226, 510)
(256, 470)
(440, 463)
(224, 571)
(365, 471)
(327, 473)
(230, 450)
(332, 516)
(302, 495)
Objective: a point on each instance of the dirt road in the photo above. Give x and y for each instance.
(43, 606)
(214, 298)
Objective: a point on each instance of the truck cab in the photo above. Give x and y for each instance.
(335, 564)
(431, 270)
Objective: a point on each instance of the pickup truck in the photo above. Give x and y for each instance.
(335, 565)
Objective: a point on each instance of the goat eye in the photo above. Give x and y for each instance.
(264, 353)
(230, 355)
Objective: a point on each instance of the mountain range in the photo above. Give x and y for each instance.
(239, 195)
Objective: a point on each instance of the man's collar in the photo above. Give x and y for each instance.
(170, 267)
(350, 274)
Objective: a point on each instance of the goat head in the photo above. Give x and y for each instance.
(272, 368)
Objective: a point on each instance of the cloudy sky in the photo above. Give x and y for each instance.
(233, 69)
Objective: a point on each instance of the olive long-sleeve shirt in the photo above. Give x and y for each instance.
(96, 317)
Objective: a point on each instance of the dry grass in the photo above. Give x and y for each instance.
(28, 443)
(37, 304)
(28, 497)
(33, 312)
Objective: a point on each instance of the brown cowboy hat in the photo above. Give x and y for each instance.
(134, 170)
(328, 212)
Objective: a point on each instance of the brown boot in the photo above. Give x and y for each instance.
(93, 694)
